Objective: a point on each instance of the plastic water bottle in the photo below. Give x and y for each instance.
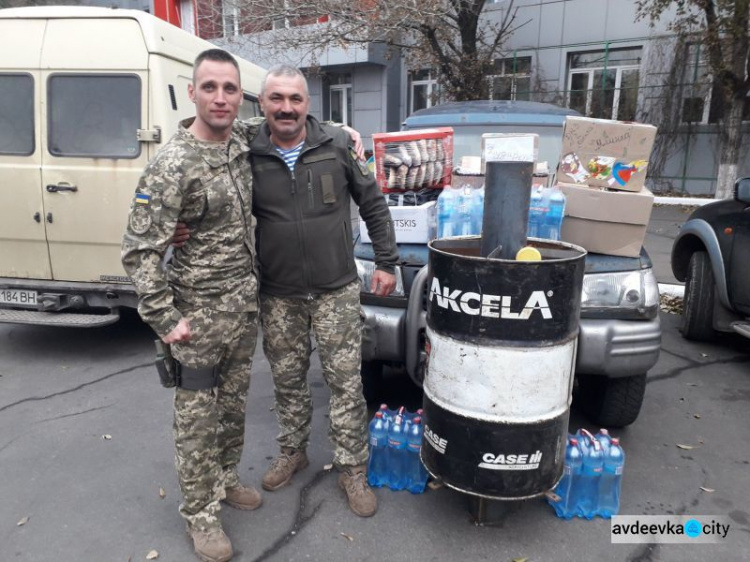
(477, 210)
(416, 474)
(535, 213)
(555, 214)
(446, 208)
(465, 221)
(591, 470)
(397, 454)
(610, 480)
(570, 482)
(377, 468)
(605, 441)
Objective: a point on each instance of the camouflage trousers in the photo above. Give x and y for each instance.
(335, 321)
(209, 425)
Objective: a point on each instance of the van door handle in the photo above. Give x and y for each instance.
(54, 188)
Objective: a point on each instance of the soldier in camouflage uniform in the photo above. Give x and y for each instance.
(306, 176)
(205, 303)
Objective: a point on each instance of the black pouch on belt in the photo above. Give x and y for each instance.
(166, 365)
(197, 378)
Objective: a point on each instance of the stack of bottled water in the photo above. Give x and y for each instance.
(592, 476)
(460, 211)
(395, 443)
(546, 212)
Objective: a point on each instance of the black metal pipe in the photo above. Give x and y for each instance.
(506, 208)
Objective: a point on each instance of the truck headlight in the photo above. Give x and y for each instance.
(627, 294)
(365, 271)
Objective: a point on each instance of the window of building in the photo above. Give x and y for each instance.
(510, 79)
(16, 114)
(339, 106)
(94, 115)
(231, 20)
(424, 90)
(604, 84)
(698, 103)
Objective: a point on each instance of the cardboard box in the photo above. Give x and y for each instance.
(413, 224)
(603, 153)
(606, 222)
(413, 160)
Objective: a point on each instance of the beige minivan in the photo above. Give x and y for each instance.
(87, 97)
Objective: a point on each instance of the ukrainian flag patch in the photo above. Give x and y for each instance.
(142, 199)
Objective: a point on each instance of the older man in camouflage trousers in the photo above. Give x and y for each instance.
(206, 302)
(306, 177)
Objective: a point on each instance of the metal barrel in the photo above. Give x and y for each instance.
(501, 347)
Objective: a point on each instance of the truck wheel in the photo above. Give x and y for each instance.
(698, 304)
(610, 402)
(372, 381)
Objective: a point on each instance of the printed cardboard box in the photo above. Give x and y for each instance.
(413, 160)
(603, 153)
(413, 224)
(604, 221)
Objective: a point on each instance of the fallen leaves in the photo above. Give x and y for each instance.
(152, 555)
(23, 521)
(670, 304)
(685, 447)
(519, 560)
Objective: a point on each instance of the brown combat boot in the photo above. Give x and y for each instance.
(211, 545)
(362, 500)
(283, 468)
(243, 497)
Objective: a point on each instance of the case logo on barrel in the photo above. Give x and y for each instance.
(510, 462)
(490, 306)
(437, 442)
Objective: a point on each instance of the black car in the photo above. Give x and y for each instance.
(712, 256)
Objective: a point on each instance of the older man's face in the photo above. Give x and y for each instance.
(286, 103)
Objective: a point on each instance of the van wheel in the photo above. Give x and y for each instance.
(372, 381)
(610, 402)
(698, 304)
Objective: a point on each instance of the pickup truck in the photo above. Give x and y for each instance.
(620, 331)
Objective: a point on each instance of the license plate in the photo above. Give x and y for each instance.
(18, 297)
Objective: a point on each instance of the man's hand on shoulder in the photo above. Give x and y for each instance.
(359, 148)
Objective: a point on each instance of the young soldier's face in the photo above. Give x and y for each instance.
(217, 95)
(285, 103)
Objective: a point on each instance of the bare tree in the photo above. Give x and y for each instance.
(453, 38)
(721, 26)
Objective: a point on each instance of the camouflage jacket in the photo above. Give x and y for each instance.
(208, 186)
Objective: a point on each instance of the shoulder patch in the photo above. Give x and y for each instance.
(140, 220)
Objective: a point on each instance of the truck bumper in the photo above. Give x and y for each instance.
(618, 348)
(611, 348)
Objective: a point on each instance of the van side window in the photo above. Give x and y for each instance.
(93, 115)
(250, 107)
(16, 114)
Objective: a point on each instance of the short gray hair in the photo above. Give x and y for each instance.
(284, 70)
